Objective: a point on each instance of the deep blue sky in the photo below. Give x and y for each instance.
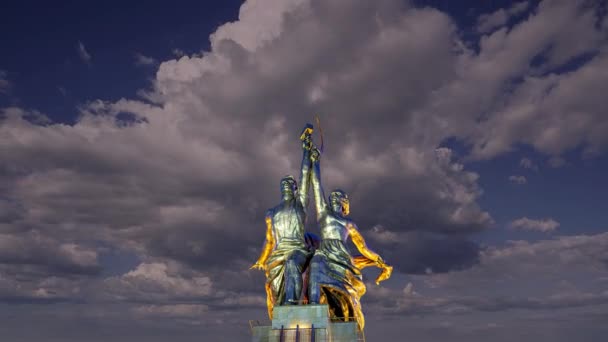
(43, 37)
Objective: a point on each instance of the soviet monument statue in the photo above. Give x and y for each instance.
(301, 273)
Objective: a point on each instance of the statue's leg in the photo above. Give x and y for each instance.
(294, 266)
(314, 287)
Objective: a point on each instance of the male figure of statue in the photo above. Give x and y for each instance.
(285, 252)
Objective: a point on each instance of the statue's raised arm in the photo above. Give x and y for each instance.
(305, 137)
(317, 188)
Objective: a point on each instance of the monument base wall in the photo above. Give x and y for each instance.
(305, 323)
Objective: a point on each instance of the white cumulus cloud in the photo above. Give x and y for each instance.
(541, 225)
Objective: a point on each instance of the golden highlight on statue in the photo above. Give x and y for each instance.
(333, 275)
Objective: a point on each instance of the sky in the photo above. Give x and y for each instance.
(140, 146)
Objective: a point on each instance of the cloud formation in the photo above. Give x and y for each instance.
(486, 23)
(178, 53)
(518, 179)
(518, 90)
(520, 275)
(181, 179)
(83, 53)
(542, 225)
(141, 60)
(527, 163)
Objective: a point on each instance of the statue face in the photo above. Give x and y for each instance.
(288, 185)
(340, 202)
(345, 206)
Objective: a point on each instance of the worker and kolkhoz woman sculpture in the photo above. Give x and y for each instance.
(301, 269)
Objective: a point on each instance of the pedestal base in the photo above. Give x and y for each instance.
(305, 323)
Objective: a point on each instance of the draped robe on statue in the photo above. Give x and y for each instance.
(289, 257)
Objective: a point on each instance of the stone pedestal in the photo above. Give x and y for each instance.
(305, 323)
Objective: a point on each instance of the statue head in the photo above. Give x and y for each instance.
(339, 202)
(288, 187)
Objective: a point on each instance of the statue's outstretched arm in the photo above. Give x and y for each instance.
(268, 246)
(370, 257)
(315, 179)
(359, 242)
